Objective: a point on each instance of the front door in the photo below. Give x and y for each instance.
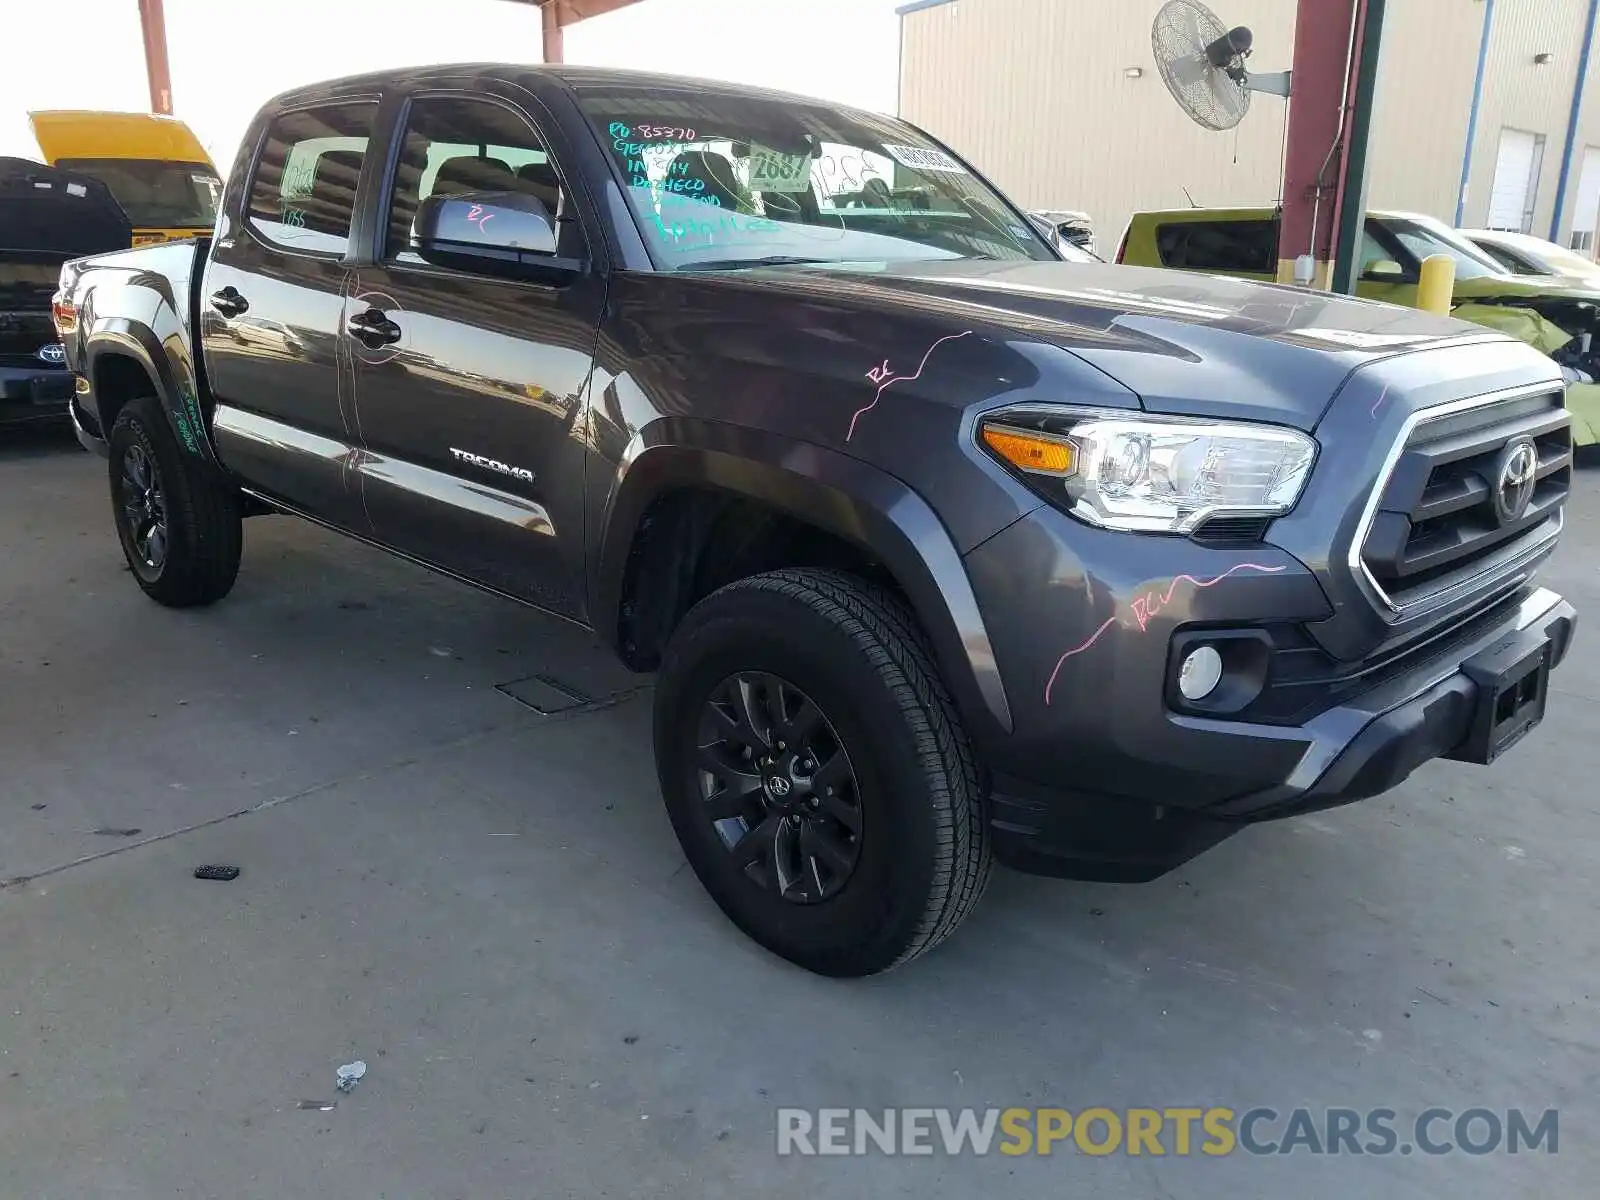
(271, 309)
(469, 387)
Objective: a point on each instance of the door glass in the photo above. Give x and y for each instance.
(303, 196)
(458, 146)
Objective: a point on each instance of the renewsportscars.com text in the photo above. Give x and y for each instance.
(1179, 1132)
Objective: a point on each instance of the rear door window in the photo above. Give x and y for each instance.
(459, 146)
(1228, 247)
(303, 194)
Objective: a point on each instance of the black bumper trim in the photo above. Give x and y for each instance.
(1398, 741)
(1353, 753)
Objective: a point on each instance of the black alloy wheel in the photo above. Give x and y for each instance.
(178, 519)
(778, 787)
(144, 507)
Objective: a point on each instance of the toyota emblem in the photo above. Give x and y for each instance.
(1514, 481)
(52, 352)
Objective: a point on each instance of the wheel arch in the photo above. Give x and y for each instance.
(125, 358)
(869, 513)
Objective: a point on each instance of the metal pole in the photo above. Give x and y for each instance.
(1572, 122)
(1472, 113)
(554, 40)
(1316, 114)
(153, 23)
(1353, 192)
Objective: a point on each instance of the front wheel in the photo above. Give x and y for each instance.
(816, 773)
(180, 527)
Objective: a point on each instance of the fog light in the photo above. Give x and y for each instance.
(1200, 673)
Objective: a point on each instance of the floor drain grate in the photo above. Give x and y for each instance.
(547, 696)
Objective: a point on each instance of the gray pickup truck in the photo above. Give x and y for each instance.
(943, 550)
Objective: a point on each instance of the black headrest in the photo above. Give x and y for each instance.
(712, 169)
(472, 173)
(338, 169)
(542, 181)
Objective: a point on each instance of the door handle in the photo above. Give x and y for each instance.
(229, 302)
(373, 328)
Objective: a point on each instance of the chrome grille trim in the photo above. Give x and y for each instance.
(1356, 560)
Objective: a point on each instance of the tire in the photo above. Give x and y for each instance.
(197, 559)
(918, 856)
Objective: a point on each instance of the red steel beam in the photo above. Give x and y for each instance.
(1318, 113)
(153, 23)
(554, 40)
(558, 14)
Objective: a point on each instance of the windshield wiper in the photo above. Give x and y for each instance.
(739, 264)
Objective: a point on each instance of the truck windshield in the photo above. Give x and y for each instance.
(719, 180)
(1423, 238)
(156, 194)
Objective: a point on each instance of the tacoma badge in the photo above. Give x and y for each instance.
(493, 464)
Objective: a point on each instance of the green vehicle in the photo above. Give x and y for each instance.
(1556, 314)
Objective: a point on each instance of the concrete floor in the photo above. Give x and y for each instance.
(488, 906)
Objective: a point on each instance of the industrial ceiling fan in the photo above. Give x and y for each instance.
(1202, 63)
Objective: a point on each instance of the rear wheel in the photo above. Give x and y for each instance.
(816, 773)
(179, 525)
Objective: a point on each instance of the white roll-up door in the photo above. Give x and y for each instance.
(1586, 210)
(1511, 199)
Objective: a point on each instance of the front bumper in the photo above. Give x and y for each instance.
(1103, 777)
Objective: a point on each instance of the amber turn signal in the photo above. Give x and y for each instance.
(1030, 451)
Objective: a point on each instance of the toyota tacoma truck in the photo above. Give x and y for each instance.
(943, 551)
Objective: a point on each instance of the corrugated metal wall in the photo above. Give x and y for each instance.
(1520, 94)
(1419, 128)
(1035, 92)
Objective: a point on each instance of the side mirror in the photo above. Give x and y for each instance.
(492, 233)
(1385, 270)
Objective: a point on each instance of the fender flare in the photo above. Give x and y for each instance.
(171, 376)
(842, 495)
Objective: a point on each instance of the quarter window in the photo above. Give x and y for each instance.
(303, 196)
(459, 146)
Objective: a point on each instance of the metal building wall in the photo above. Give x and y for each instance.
(1419, 128)
(1034, 92)
(1588, 133)
(1520, 94)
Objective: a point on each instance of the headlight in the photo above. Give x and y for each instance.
(1152, 474)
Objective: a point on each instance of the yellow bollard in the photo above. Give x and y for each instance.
(1437, 286)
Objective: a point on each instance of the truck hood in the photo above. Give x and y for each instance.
(72, 134)
(1528, 287)
(1184, 343)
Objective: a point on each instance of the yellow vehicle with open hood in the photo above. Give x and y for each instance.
(154, 166)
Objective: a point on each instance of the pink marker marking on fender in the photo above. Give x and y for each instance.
(1146, 607)
(1093, 638)
(885, 378)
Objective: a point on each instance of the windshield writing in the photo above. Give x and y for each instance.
(731, 180)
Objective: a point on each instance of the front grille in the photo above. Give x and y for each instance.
(21, 335)
(1437, 527)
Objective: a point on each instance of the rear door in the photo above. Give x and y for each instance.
(271, 308)
(469, 387)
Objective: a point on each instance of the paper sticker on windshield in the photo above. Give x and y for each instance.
(77, 189)
(919, 159)
(774, 171)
